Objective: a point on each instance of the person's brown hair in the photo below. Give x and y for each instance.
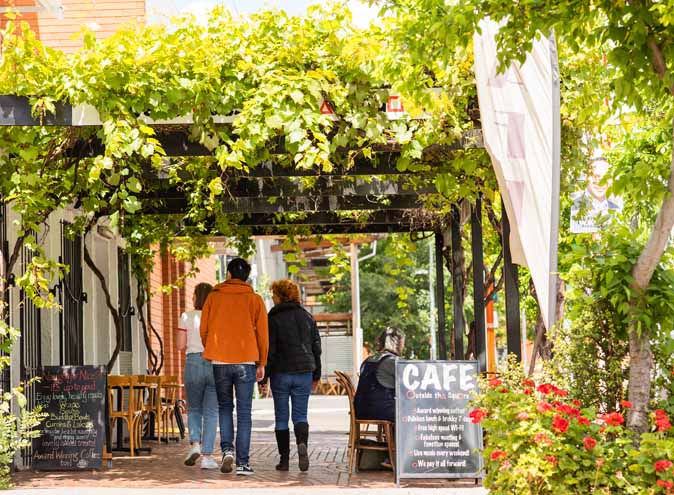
(286, 291)
(201, 292)
(391, 340)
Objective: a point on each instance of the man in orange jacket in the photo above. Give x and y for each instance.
(236, 339)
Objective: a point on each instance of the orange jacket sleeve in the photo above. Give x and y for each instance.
(203, 325)
(262, 331)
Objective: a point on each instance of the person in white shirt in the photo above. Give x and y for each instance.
(202, 400)
(592, 203)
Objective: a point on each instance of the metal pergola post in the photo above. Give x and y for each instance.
(440, 295)
(478, 283)
(512, 292)
(459, 320)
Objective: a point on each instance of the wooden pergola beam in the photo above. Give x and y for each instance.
(176, 206)
(339, 229)
(312, 245)
(285, 187)
(332, 218)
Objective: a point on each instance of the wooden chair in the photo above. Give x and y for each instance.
(360, 428)
(331, 387)
(152, 406)
(130, 411)
(168, 388)
(323, 386)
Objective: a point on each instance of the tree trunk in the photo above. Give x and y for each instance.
(160, 363)
(140, 307)
(542, 344)
(538, 342)
(641, 361)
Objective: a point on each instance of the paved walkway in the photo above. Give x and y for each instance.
(244, 491)
(163, 472)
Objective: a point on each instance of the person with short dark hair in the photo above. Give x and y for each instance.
(202, 402)
(235, 337)
(294, 366)
(375, 395)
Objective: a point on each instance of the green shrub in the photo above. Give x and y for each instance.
(541, 441)
(16, 432)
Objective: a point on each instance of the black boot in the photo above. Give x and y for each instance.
(283, 443)
(302, 437)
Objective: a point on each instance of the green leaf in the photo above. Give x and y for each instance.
(134, 185)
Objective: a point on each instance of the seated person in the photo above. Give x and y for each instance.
(375, 395)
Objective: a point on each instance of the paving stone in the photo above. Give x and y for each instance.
(163, 469)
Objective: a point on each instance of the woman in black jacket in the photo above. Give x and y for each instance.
(293, 366)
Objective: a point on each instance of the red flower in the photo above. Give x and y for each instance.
(663, 424)
(477, 415)
(625, 404)
(566, 409)
(546, 388)
(613, 419)
(576, 402)
(497, 454)
(543, 406)
(528, 383)
(662, 421)
(559, 424)
(663, 465)
(523, 416)
(665, 484)
(589, 443)
(542, 438)
(494, 382)
(551, 459)
(583, 420)
(559, 392)
(503, 390)
(528, 391)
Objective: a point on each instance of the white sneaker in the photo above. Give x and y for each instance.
(207, 462)
(193, 454)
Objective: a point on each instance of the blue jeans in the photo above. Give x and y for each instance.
(202, 402)
(295, 387)
(239, 377)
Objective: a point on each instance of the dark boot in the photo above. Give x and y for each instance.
(283, 443)
(302, 437)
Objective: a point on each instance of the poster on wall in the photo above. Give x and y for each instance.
(592, 204)
(435, 438)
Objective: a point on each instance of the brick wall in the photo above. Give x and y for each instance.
(165, 309)
(106, 16)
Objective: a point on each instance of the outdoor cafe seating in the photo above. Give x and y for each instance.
(145, 404)
(360, 434)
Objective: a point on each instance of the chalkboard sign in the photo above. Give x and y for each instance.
(434, 435)
(73, 433)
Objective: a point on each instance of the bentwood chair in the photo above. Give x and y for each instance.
(360, 429)
(169, 387)
(152, 406)
(128, 411)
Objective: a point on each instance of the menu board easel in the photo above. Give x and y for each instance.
(434, 435)
(73, 434)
